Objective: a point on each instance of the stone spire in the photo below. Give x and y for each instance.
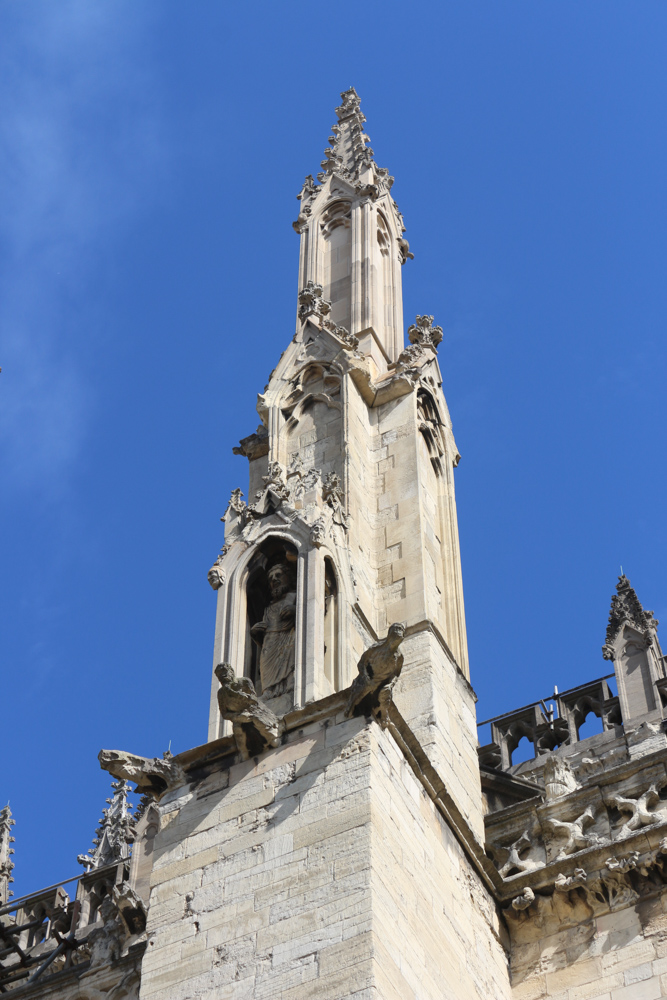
(115, 834)
(626, 607)
(6, 864)
(348, 153)
(352, 243)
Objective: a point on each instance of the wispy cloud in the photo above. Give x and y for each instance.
(81, 122)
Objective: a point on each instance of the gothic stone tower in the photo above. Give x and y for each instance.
(342, 857)
(328, 841)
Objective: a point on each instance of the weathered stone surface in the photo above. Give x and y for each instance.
(153, 775)
(379, 669)
(254, 725)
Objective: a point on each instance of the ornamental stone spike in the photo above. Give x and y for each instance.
(423, 333)
(6, 864)
(115, 833)
(352, 244)
(626, 607)
(349, 152)
(632, 644)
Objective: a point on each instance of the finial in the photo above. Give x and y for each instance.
(6, 864)
(115, 832)
(348, 153)
(424, 333)
(626, 607)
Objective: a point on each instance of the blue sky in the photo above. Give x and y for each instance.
(151, 155)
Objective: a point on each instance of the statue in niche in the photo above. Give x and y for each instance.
(275, 633)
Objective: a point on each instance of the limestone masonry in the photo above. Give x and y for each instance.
(341, 834)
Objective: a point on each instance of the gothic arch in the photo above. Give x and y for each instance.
(332, 611)
(431, 428)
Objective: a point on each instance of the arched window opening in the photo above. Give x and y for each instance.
(591, 725)
(523, 751)
(384, 237)
(384, 244)
(336, 215)
(331, 669)
(336, 261)
(430, 426)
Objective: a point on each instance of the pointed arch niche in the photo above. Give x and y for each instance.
(273, 556)
(336, 260)
(331, 659)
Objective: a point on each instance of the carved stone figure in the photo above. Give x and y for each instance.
(523, 901)
(275, 634)
(254, 725)
(623, 865)
(333, 495)
(150, 775)
(404, 252)
(379, 668)
(639, 809)
(577, 840)
(131, 908)
(509, 857)
(216, 575)
(318, 533)
(566, 883)
(106, 942)
(558, 777)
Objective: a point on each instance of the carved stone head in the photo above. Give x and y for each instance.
(396, 633)
(318, 533)
(225, 674)
(280, 580)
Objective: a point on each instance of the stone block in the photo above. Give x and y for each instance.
(647, 990)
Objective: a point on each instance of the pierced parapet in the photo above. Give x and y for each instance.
(115, 834)
(6, 864)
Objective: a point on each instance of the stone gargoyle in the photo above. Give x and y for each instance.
(253, 724)
(151, 775)
(379, 667)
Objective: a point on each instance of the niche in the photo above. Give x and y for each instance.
(270, 618)
(430, 426)
(331, 669)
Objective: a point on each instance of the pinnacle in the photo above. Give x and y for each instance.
(626, 607)
(348, 153)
